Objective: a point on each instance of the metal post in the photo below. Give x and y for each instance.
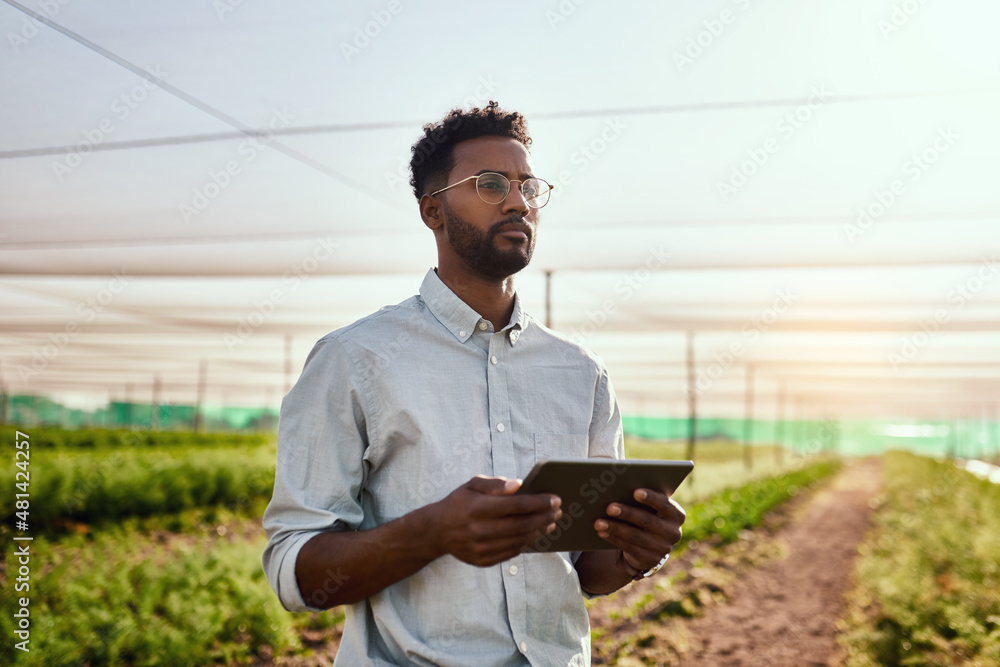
(748, 422)
(996, 432)
(798, 423)
(128, 406)
(779, 427)
(199, 417)
(154, 417)
(3, 397)
(692, 398)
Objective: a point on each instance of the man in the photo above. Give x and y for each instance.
(402, 445)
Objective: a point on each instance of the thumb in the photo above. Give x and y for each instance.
(493, 486)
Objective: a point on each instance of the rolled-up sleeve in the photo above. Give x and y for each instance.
(606, 435)
(322, 436)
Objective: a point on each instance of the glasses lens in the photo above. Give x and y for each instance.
(492, 188)
(536, 192)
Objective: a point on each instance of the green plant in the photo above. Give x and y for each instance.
(927, 576)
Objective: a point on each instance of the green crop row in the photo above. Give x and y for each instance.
(725, 514)
(99, 438)
(928, 574)
(105, 485)
(125, 599)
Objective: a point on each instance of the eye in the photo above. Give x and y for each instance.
(532, 188)
(492, 182)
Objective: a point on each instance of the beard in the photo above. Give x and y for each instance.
(479, 250)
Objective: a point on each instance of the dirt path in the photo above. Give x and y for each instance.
(785, 613)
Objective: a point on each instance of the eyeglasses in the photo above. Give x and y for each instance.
(493, 188)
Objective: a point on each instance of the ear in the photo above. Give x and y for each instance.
(431, 212)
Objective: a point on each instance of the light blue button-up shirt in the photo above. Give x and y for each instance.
(397, 410)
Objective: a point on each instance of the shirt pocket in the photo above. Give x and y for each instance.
(554, 445)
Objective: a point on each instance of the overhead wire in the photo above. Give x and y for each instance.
(330, 128)
(152, 241)
(218, 114)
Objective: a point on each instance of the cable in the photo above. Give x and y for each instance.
(155, 241)
(202, 106)
(151, 241)
(552, 115)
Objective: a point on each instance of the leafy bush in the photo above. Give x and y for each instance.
(123, 599)
(723, 516)
(108, 484)
(57, 438)
(928, 574)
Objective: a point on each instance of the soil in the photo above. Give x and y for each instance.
(769, 600)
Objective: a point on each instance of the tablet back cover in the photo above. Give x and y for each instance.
(588, 486)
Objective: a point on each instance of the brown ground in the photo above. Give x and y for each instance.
(783, 611)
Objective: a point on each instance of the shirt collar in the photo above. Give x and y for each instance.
(457, 316)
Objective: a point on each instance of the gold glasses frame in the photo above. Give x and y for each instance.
(520, 188)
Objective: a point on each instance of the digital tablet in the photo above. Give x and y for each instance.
(587, 487)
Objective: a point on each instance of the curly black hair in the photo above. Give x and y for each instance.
(433, 154)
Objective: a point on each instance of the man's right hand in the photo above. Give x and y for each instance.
(482, 523)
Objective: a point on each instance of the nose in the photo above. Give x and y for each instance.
(515, 201)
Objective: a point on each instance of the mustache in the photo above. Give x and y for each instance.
(509, 220)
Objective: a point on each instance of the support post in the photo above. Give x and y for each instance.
(748, 422)
(692, 398)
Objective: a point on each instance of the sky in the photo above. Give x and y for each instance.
(810, 184)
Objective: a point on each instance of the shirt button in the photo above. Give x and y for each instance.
(493, 360)
(512, 569)
(500, 427)
(482, 326)
(523, 647)
(462, 333)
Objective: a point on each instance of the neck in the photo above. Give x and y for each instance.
(493, 299)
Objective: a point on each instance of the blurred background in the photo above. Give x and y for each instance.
(792, 209)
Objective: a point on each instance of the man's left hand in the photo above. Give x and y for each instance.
(644, 536)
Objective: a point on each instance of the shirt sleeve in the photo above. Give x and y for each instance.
(606, 436)
(320, 471)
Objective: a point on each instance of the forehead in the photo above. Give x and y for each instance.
(494, 153)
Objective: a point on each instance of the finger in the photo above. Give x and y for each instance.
(516, 505)
(658, 501)
(640, 558)
(660, 537)
(523, 527)
(637, 516)
(493, 486)
(500, 550)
